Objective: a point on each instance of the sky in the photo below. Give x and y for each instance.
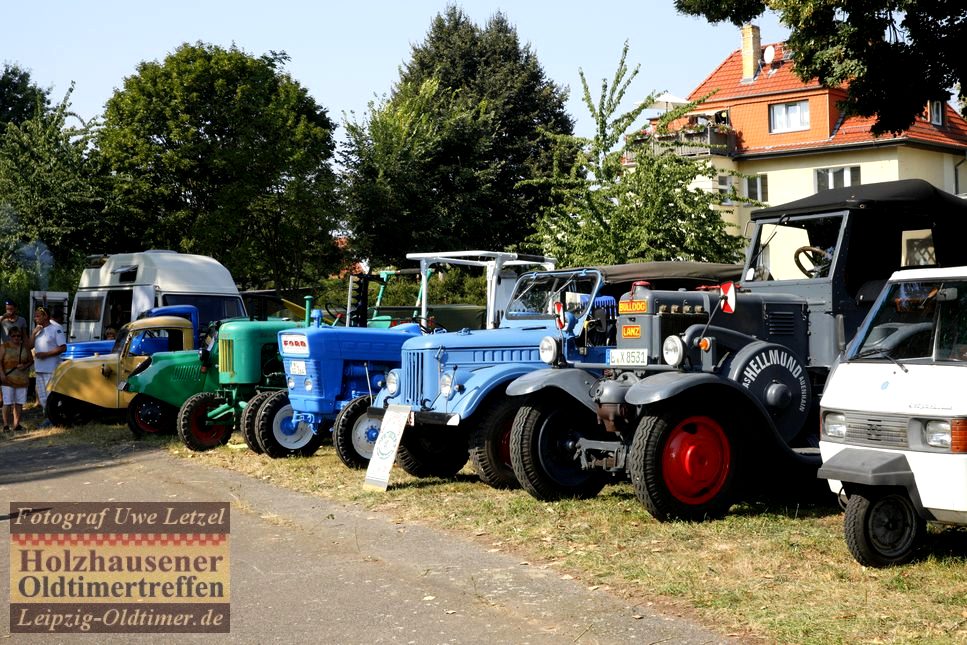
(348, 53)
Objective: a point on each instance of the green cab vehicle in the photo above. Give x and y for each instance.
(91, 387)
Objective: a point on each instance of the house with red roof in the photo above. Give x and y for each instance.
(788, 139)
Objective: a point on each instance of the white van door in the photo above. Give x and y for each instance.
(87, 316)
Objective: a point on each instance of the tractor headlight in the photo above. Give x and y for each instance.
(308, 384)
(549, 350)
(446, 384)
(291, 383)
(393, 383)
(673, 351)
(834, 425)
(936, 433)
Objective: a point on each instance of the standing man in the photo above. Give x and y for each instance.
(10, 320)
(48, 341)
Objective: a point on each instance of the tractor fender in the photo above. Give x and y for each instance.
(574, 381)
(479, 385)
(666, 386)
(859, 467)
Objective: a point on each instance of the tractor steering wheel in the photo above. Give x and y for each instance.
(819, 258)
(335, 315)
(427, 325)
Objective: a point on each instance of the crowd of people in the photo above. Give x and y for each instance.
(23, 350)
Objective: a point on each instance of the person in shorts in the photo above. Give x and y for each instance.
(15, 361)
(49, 342)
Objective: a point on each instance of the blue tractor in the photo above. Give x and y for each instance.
(332, 373)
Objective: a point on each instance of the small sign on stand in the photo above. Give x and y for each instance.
(387, 443)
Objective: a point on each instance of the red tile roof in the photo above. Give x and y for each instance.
(778, 78)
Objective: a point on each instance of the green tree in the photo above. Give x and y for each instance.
(495, 99)
(222, 153)
(50, 198)
(20, 97)
(607, 213)
(416, 173)
(895, 55)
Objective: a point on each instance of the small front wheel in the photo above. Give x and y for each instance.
(66, 411)
(683, 464)
(882, 527)
(196, 430)
(149, 416)
(354, 433)
(278, 434)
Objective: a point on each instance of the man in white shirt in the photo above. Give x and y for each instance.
(48, 341)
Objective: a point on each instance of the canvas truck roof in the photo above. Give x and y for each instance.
(173, 272)
(906, 196)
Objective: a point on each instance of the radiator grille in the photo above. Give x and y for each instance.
(226, 356)
(413, 369)
(888, 431)
(782, 323)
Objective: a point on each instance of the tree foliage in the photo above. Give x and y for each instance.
(50, 196)
(606, 213)
(20, 97)
(222, 153)
(895, 55)
(460, 185)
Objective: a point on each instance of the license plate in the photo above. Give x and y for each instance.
(628, 357)
(298, 367)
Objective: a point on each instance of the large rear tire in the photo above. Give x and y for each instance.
(196, 430)
(683, 465)
(278, 435)
(433, 451)
(66, 411)
(543, 448)
(246, 421)
(490, 442)
(147, 416)
(354, 433)
(882, 527)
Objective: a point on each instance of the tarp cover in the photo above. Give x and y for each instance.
(906, 195)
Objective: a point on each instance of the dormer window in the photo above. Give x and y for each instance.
(789, 117)
(936, 112)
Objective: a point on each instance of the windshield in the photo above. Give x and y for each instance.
(795, 249)
(209, 307)
(922, 319)
(536, 294)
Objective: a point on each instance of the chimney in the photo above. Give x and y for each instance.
(751, 51)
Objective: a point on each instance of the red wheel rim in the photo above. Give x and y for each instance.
(696, 460)
(208, 434)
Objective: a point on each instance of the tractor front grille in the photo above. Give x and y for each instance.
(226, 356)
(414, 366)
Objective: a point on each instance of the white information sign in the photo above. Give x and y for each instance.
(384, 452)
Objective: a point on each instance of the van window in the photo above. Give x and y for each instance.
(210, 308)
(88, 309)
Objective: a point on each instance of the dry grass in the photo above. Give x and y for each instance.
(775, 571)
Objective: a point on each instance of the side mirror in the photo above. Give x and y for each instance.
(840, 333)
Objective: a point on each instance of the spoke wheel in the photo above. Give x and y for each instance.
(278, 435)
(882, 528)
(149, 416)
(354, 433)
(683, 466)
(196, 430)
(543, 449)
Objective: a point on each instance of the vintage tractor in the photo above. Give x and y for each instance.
(332, 377)
(454, 384)
(697, 406)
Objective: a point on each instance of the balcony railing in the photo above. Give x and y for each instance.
(690, 142)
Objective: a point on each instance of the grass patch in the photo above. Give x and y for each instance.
(778, 571)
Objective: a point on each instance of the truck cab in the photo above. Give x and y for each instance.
(894, 420)
(705, 390)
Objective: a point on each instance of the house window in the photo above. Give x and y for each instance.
(936, 112)
(725, 189)
(789, 117)
(757, 188)
(827, 178)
